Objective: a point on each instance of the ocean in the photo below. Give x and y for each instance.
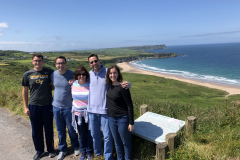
(214, 63)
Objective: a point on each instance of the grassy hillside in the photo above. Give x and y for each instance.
(218, 117)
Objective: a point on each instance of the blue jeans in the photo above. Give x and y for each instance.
(63, 117)
(97, 120)
(85, 138)
(42, 116)
(121, 136)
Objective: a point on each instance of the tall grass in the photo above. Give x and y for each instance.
(218, 117)
(11, 94)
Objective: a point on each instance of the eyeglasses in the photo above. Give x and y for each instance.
(60, 63)
(37, 61)
(95, 61)
(83, 74)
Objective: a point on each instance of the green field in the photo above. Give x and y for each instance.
(23, 61)
(3, 64)
(218, 117)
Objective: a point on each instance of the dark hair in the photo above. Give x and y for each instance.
(37, 55)
(92, 55)
(119, 79)
(61, 57)
(78, 70)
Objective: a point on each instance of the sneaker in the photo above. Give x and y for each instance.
(61, 155)
(51, 154)
(83, 156)
(37, 156)
(89, 156)
(98, 157)
(76, 152)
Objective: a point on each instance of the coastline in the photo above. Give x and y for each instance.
(128, 68)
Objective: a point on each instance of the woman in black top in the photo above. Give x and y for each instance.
(120, 112)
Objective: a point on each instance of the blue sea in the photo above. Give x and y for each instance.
(214, 63)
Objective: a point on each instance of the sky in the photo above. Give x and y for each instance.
(63, 25)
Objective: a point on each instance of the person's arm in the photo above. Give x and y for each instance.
(127, 98)
(126, 84)
(52, 86)
(52, 80)
(25, 100)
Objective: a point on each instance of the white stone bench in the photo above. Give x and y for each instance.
(161, 130)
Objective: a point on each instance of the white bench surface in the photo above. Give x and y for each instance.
(154, 127)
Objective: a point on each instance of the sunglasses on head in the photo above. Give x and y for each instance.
(95, 61)
(83, 74)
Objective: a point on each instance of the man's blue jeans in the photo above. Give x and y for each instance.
(97, 120)
(121, 136)
(63, 117)
(42, 116)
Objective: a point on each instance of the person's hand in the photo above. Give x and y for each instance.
(70, 81)
(52, 86)
(26, 111)
(130, 127)
(125, 84)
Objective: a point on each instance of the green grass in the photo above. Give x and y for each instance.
(3, 64)
(216, 115)
(22, 61)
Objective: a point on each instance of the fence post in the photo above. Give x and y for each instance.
(161, 151)
(143, 109)
(190, 124)
(170, 139)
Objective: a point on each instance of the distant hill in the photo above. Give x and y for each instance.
(147, 47)
(123, 52)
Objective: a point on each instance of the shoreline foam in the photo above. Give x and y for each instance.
(128, 68)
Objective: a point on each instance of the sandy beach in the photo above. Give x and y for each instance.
(128, 68)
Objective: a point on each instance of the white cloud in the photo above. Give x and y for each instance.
(3, 25)
(211, 34)
(18, 31)
(17, 42)
(58, 38)
(40, 46)
(1, 34)
(23, 45)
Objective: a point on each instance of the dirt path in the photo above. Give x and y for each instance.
(16, 140)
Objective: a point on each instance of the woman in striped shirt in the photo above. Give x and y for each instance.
(80, 91)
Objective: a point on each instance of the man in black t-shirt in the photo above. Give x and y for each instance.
(39, 108)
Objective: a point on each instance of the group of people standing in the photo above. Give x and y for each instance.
(86, 102)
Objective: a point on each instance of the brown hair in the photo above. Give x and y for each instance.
(119, 79)
(92, 55)
(37, 55)
(61, 57)
(78, 70)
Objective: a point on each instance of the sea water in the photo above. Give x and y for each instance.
(215, 63)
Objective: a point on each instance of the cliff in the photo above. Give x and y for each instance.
(139, 57)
